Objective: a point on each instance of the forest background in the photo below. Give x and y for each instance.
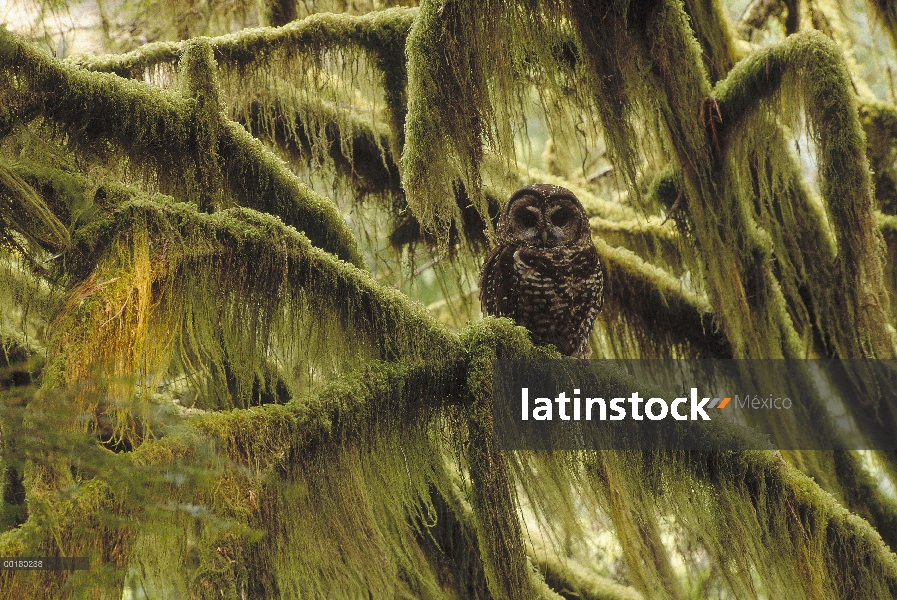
(242, 352)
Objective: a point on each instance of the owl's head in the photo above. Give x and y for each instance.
(543, 216)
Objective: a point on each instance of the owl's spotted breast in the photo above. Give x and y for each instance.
(545, 273)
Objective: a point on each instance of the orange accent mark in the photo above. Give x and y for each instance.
(724, 403)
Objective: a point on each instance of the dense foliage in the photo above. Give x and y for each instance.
(242, 354)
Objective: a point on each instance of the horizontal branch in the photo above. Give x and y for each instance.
(376, 31)
(567, 575)
(157, 130)
(379, 398)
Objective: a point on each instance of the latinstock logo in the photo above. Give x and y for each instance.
(679, 404)
(588, 409)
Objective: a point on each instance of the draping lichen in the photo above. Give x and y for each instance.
(273, 421)
(156, 130)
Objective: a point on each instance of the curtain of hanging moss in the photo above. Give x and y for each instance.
(446, 103)
(727, 235)
(622, 488)
(807, 551)
(159, 263)
(380, 34)
(735, 255)
(842, 283)
(645, 304)
(787, 212)
(373, 411)
(369, 164)
(712, 30)
(24, 211)
(359, 149)
(616, 50)
(810, 296)
(357, 463)
(830, 105)
(157, 129)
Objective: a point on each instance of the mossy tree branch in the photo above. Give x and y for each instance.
(24, 211)
(846, 183)
(156, 130)
(380, 34)
(267, 280)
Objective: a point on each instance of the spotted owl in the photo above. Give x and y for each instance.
(545, 272)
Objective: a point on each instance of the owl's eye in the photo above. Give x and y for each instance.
(527, 218)
(561, 217)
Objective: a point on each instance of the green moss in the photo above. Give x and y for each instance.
(272, 290)
(731, 189)
(612, 64)
(25, 212)
(813, 537)
(323, 134)
(157, 130)
(446, 106)
(372, 430)
(197, 75)
(641, 298)
(651, 239)
(380, 397)
(294, 49)
(845, 180)
(67, 194)
(372, 31)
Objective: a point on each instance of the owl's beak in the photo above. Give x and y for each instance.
(544, 236)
